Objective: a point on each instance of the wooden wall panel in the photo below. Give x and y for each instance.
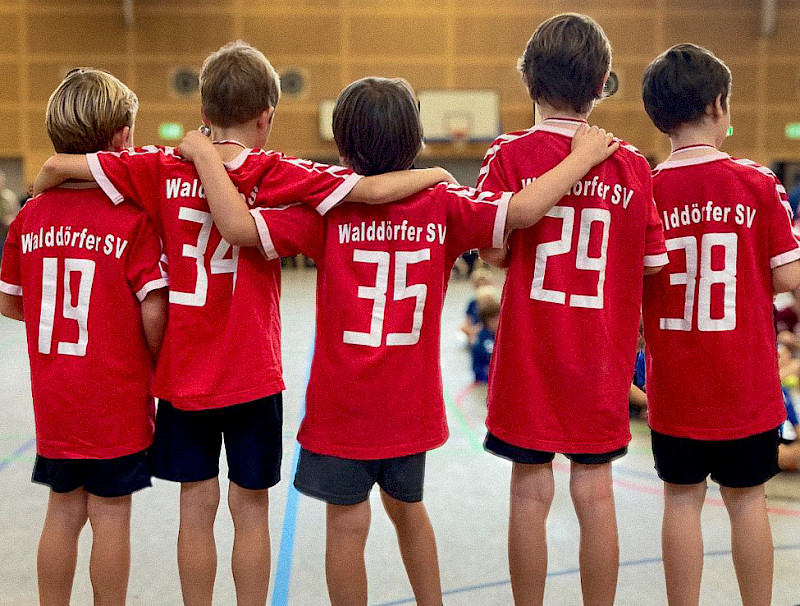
(383, 35)
(447, 44)
(306, 34)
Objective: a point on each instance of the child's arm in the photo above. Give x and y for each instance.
(232, 215)
(786, 277)
(393, 186)
(59, 168)
(11, 306)
(154, 319)
(590, 146)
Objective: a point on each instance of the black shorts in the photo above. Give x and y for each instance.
(187, 444)
(528, 456)
(108, 478)
(349, 481)
(741, 463)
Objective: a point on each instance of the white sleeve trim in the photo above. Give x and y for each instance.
(784, 258)
(11, 289)
(102, 180)
(656, 260)
(499, 232)
(339, 193)
(150, 287)
(267, 247)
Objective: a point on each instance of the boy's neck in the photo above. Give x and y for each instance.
(237, 136)
(690, 135)
(547, 111)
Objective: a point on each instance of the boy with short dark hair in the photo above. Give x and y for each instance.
(574, 282)
(86, 279)
(374, 408)
(713, 410)
(219, 376)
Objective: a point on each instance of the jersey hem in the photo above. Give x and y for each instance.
(109, 452)
(368, 454)
(267, 246)
(709, 434)
(223, 400)
(533, 443)
(661, 260)
(150, 287)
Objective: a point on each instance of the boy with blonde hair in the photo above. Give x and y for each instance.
(713, 411)
(574, 282)
(85, 277)
(211, 387)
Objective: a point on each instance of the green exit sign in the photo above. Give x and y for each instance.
(793, 130)
(170, 131)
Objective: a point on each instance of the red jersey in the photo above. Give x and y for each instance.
(566, 343)
(216, 351)
(81, 267)
(712, 371)
(376, 388)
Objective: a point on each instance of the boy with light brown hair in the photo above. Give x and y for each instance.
(86, 279)
(211, 386)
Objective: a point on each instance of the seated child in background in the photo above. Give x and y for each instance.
(480, 278)
(637, 399)
(374, 401)
(85, 276)
(219, 378)
(483, 345)
(715, 402)
(789, 447)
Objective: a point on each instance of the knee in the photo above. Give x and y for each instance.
(591, 489)
(69, 510)
(245, 504)
(538, 493)
(402, 514)
(348, 522)
(199, 500)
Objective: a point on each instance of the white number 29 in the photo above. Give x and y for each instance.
(402, 290)
(583, 261)
(708, 277)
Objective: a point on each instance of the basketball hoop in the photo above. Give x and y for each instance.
(459, 137)
(458, 126)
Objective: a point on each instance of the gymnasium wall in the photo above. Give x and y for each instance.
(432, 43)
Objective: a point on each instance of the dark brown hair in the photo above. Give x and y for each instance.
(237, 83)
(679, 85)
(376, 125)
(566, 62)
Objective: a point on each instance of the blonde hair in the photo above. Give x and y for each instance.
(87, 109)
(237, 83)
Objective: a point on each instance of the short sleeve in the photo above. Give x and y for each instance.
(784, 245)
(145, 272)
(131, 174)
(289, 230)
(475, 219)
(655, 249)
(492, 175)
(10, 272)
(319, 186)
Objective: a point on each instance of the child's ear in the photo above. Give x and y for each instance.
(717, 108)
(603, 85)
(265, 119)
(121, 139)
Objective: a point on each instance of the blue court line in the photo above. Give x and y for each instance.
(571, 571)
(17, 453)
(283, 569)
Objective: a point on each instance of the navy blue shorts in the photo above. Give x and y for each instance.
(188, 443)
(528, 456)
(349, 481)
(741, 463)
(108, 478)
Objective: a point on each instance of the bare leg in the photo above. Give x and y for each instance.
(251, 557)
(418, 548)
(532, 489)
(347, 529)
(682, 542)
(789, 456)
(751, 542)
(58, 546)
(110, 563)
(593, 498)
(197, 549)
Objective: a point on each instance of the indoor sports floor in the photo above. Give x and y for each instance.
(466, 494)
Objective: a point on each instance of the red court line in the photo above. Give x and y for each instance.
(459, 399)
